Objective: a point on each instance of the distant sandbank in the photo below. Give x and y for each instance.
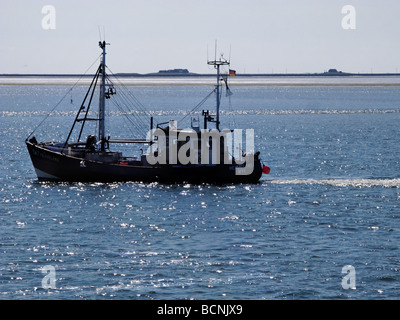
(197, 80)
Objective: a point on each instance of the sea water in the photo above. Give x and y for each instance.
(329, 205)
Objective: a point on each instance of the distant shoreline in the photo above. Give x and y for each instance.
(191, 79)
(190, 75)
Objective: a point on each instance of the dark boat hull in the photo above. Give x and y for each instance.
(54, 166)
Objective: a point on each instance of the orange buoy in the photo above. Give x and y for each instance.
(266, 169)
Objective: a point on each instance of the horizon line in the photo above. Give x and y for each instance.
(190, 74)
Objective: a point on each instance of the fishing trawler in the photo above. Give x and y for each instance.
(192, 155)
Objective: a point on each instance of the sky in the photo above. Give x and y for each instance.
(259, 36)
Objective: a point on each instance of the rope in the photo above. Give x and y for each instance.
(62, 99)
(197, 106)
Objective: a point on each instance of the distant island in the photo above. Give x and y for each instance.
(174, 71)
(335, 72)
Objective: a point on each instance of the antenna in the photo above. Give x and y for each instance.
(104, 33)
(98, 27)
(217, 64)
(215, 58)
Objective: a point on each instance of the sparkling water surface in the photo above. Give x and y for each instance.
(331, 200)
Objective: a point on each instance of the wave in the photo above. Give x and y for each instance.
(311, 111)
(29, 113)
(365, 183)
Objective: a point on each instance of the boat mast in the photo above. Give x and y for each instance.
(102, 102)
(217, 64)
